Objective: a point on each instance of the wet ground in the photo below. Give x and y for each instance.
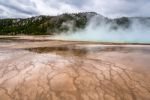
(41, 69)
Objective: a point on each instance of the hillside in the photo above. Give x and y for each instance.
(43, 25)
(49, 25)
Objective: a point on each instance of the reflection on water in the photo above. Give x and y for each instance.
(122, 49)
(7, 39)
(82, 51)
(17, 39)
(62, 50)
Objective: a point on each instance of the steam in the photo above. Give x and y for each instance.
(98, 29)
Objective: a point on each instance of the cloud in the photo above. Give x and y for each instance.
(17, 8)
(109, 8)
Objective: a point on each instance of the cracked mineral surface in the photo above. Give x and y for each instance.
(61, 70)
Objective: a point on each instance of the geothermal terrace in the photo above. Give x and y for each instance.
(36, 68)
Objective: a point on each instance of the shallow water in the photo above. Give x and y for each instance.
(75, 49)
(60, 50)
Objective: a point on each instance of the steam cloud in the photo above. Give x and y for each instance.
(137, 32)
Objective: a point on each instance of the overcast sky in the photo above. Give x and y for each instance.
(109, 8)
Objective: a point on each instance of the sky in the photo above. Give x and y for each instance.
(108, 8)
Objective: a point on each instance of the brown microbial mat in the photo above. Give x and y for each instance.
(69, 70)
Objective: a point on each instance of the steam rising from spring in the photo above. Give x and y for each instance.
(137, 32)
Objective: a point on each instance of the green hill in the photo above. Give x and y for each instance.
(44, 25)
(49, 25)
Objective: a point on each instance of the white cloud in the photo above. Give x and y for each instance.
(110, 8)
